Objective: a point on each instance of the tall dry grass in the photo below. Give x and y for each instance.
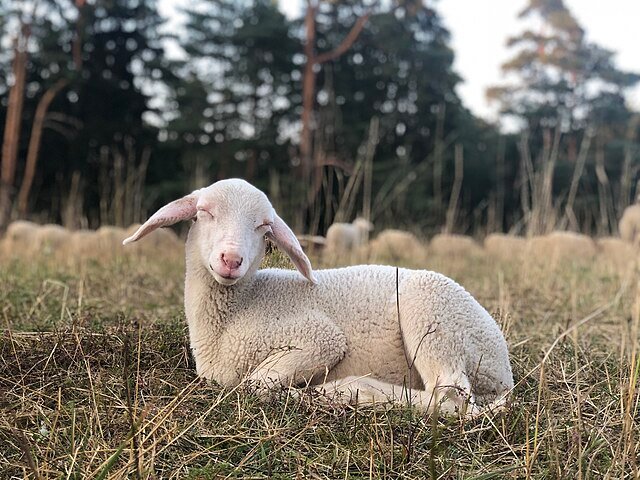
(97, 381)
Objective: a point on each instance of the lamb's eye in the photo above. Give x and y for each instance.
(205, 213)
(264, 226)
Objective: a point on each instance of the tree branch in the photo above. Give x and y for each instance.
(346, 43)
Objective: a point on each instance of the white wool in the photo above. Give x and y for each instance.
(110, 239)
(345, 238)
(561, 245)
(336, 329)
(454, 245)
(161, 241)
(617, 252)
(505, 247)
(86, 244)
(629, 225)
(20, 239)
(396, 245)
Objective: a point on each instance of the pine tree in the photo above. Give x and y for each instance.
(100, 116)
(567, 92)
(239, 94)
(558, 70)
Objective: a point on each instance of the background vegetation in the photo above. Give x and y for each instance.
(350, 109)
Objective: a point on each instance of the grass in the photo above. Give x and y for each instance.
(97, 381)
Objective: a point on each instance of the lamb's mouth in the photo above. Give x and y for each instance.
(226, 279)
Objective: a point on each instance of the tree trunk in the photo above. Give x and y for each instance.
(309, 172)
(308, 90)
(12, 126)
(35, 142)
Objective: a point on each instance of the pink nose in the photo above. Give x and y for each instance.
(231, 260)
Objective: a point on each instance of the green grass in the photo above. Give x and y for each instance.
(97, 381)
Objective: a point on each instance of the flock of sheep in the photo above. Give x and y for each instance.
(348, 241)
(344, 242)
(27, 239)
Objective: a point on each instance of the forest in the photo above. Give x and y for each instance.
(350, 109)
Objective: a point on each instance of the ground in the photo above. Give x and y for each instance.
(97, 381)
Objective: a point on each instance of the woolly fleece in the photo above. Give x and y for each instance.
(337, 329)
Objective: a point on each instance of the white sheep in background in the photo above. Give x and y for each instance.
(52, 240)
(561, 245)
(629, 225)
(86, 244)
(346, 238)
(397, 245)
(161, 241)
(505, 247)
(618, 253)
(336, 329)
(20, 239)
(454, 245)
(110, 239)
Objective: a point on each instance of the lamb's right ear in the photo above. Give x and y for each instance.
(286, 240)
(182, 209)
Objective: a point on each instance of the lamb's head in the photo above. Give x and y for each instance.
(231, 220)
(363, 224)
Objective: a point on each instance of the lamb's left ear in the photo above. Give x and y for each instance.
(182, 209)
(285, 239)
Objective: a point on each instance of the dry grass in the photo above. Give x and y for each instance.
(96, 381)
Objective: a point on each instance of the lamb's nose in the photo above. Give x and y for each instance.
(231, 260)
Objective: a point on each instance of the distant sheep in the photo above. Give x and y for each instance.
(454, 245)
(110, 239)
(339, 330)
(20, 239)
(86, 244)
(397, 245)
(505, 247)
(629, 225)
(617, 252)
(346, 238)
(162, 241)
(52, 240)
(562, 246)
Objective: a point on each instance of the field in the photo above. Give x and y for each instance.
(96, 381)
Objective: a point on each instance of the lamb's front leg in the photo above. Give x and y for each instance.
(301, 349)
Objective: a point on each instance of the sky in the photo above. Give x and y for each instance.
(479, 30)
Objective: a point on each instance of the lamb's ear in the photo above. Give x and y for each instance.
(284, 238)
(182, 209)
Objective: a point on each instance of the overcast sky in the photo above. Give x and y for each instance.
(479, 30)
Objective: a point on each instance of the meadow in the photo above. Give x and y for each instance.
(97, 381)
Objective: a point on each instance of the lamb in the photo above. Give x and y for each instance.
(397, 245)
(52, 239)
(346, 238)
(629, 225)
(110, 238)
(617, 252)
(336, 330)
(20, 238)
(86, 243)
(505, 247)
(454, 245)
(559, 245)
(163, 240)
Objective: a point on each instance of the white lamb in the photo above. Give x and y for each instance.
(20, 239)
(629, 225)
(347, 238)
(397, 245)
(338, 330)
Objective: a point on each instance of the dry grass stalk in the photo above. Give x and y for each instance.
(452, 209)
